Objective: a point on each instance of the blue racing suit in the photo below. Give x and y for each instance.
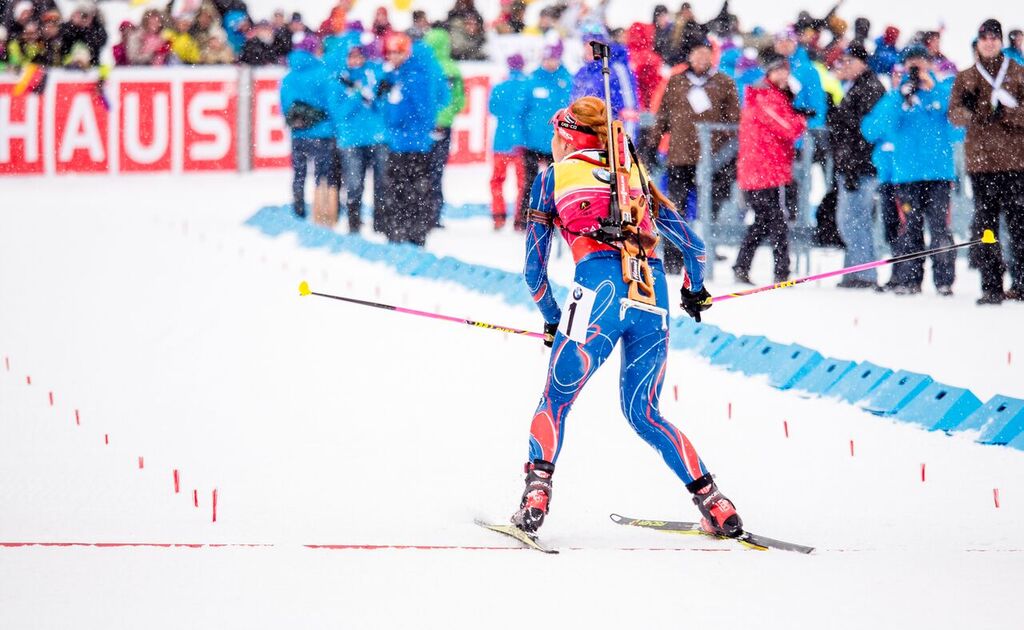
(559, 192)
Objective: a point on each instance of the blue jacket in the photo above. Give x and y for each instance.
(921, 135)
(589, 81)
(884, 58)
(410, 106)
(508, 105)
(358, 122)
(308, 80)
(811, 94)
(546, 93)
(232, 20)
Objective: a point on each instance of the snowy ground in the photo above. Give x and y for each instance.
(145, 306)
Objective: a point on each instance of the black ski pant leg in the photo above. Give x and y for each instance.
(681, 180)
(911, 239)
(769, 206)
(935, 199)
(301, 154)
(437, 161)
(422, 216)
(531, 166)
(1015, 226)
(391, 222)
(889, 213)
(988, 198)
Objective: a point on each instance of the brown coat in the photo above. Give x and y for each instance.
(676, 116)
(994, 144)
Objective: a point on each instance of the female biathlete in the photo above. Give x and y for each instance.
(573, 194)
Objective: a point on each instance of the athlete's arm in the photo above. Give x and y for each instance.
(539, 231)
(675, 229)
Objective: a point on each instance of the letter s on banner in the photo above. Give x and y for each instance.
(80, 125)
(210, 119)
(271, 142)
(21, 132)
(145, 143)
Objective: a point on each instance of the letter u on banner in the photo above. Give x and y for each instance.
(145, 142)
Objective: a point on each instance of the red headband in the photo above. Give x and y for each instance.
(579, 136)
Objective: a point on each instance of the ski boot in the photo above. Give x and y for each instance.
(536, 496)
(718, 512)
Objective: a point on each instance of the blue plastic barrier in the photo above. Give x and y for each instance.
(860, 381)
(735, 352)
(1017, 442)
(714, 344)
(692, 337)
(760, 360)
(792, 364)
(896, 392)
(940, 407)
(820, 378)
(1000, 420)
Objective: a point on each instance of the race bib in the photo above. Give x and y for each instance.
(576, 314)
(699, 100)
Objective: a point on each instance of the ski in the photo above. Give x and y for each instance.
(747, 539)
(514, 532)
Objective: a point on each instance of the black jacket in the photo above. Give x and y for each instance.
(257, 53)
(850, 151)
(94, 37)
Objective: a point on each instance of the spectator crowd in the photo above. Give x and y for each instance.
(887, 110)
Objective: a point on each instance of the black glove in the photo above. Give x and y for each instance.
(694, 303)
(549, 333)
(806, 112)
(970, 101)
(384, 87)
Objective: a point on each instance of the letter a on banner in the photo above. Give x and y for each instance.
(81, 128)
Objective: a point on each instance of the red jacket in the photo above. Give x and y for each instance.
(645, 63)
(768, 129)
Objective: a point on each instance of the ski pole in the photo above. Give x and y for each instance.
(305, 290)
(988, 238)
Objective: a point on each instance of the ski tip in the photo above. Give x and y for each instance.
(304, 288)
(988, 237)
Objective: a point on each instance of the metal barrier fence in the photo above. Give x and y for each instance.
(728, 225)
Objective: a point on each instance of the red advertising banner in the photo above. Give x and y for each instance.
(145, 126)
(21, 132)
(158, 120)
(271, 142)
(80, 128)
(211, 112)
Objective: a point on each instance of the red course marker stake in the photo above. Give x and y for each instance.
(675, 392)
(214, 506)
(922, 473)
(851, 448)
(77, 421)
(106, 438)
(177, 482)
(785, 427)
(7, 363)
(28, 380)
(195, 497)
(141, 463)
(995, 496)
(51, 399)
(729, 410)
